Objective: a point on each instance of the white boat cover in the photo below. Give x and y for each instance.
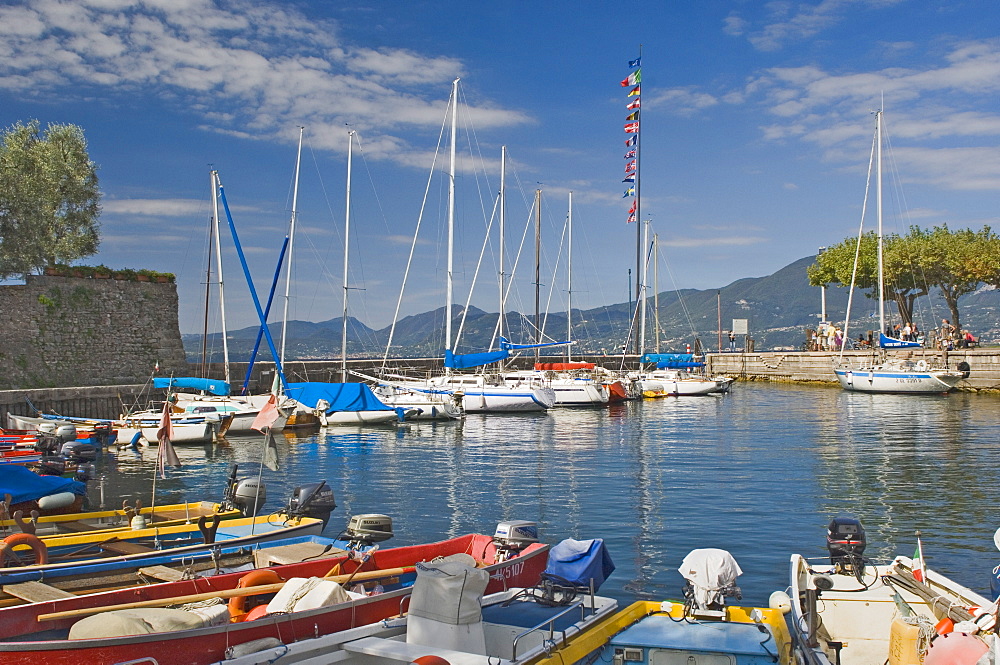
(449, 592)
(142, 621)
(709, 570)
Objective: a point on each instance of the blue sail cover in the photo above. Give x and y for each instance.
(887, 342)
(506, 345)
(673, 364)
(340, 396)
(24, 484)
(580, 561)
(469, 360)
(667, 357)
(210, 386)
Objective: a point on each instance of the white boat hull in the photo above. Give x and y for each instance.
(678, 387)
(890, 380)
(579, 393)
(358, 418)
(508, 400)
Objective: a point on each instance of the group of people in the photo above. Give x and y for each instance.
(908, 332)
(828, 337)
(952, 338)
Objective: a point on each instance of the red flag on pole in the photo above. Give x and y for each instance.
(267, 415)
(166, 455)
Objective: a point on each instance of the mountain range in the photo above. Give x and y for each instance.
(778, 309)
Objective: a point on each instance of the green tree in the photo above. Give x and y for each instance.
(49, 198)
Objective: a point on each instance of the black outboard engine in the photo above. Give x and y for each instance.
(312, 500)
(247, 495)
(50, 465)
(845, 540)
(79, 450)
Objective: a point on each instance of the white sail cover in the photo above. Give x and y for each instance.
(709, 570)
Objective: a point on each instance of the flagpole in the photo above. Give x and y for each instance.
(638, 210)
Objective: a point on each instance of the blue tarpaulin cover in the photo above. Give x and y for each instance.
(25, 485)
(340, 396)
(667, 357)
(579, 561)
(673, 364)
(211, 386)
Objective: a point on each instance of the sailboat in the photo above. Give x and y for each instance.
(886, 374)
(480, 392)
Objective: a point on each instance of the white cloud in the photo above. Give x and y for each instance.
(714, 241)
(245, 67)
(793, 22)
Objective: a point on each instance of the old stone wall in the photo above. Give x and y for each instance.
(69, 331)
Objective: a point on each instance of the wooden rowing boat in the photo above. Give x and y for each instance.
(25, 640)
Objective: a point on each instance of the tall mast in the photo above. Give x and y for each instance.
(347, 244)
(291, 244)
(222, 289)
(638, 215)
(451, 219)
(641, 293)
(878, 205)
(538, 276)
(656, 291)
(569, 280)
(503, 218)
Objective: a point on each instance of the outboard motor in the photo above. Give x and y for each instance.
(79, 450)
(366, 530)
(66, 432)
(85, 472)
(247, 495)
(48, 443)
(50, 465)
(513, 536)
(845, 540)
(312, 500)
(102, 434)
(711, 577)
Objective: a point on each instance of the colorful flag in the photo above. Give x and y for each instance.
(267, 415)
(634, 63)
(919, 566)
(166, 455)
(629, 177)
(633, 79)
(632, 209)
(633, 92)
(630, 166)
(634, 104)
(630, 141)
(631, 218)
(632, 127)
(630, 154)
(629, 192)
(632, 116)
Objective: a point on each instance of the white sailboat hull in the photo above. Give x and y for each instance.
(501, 399)
(579, 393)
(676, 384)
(358, 417)
(892, 380)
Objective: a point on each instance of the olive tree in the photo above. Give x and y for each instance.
(49, 198)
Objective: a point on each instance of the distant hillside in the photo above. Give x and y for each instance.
(778, 307)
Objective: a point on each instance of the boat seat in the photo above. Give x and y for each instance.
(125, 548)
(294, 553)
(161, 573)
(77, 526)
(406, 653)
(36, 592)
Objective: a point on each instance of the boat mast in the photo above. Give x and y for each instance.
(291, 243)
(638, 215)
(347, 237)
(203, 368)
(642, 290)
(503, 213)
(656, 291)
(569, 280)
(538, 276)
(222, 289)
(878, 208)
(451, 221)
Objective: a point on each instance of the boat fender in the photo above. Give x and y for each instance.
(965, 368)
(56, 501)
(780, 601)
(253, 646)
(430, 660)
(253, 578)
(37, 547)
(138, 522)
(922, 365)
(955, 649)
(258, 612)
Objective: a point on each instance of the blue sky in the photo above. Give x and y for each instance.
(756, 130)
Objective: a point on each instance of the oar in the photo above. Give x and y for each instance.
(230, 593)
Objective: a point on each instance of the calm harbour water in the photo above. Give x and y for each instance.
(758, 472)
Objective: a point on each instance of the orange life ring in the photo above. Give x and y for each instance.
(30, 540)
(237, 604)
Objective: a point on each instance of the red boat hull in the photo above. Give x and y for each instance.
(208, 645)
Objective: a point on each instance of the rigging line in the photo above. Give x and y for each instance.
(475, 274)
(677, 290)
(857, 249)
(555, 273)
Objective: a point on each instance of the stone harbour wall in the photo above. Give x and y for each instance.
(69, 331)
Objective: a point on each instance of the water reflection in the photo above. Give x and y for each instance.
(758, 472)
